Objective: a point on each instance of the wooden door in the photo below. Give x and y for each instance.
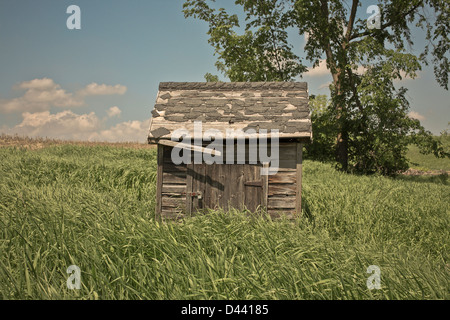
(195, 182)
(254, 187)
(226, 186)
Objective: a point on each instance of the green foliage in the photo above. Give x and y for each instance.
(379, 126)
(429, 144)
(211, 78)
(261, 53)
(323, 128)
(94, 207)
(379, 134)
(368, 115)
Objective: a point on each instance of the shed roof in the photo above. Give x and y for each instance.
(232, 105)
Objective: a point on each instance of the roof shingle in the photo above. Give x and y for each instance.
(232, 105)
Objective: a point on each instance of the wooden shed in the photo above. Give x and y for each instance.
(187, 112)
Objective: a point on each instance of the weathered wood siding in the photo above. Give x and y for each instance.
(282, 191)
(173, 190)
(225, 186)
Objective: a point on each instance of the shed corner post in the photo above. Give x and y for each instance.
(159, 182)
(299, 160)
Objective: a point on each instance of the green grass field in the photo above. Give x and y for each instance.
(93, 206)
(427, 162)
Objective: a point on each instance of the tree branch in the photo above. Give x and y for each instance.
(351, 21)
(328, 50)
(390, 23)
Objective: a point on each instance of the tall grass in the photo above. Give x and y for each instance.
(93, 206)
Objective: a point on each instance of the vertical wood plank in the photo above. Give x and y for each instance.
(248, 193)
(298, 206)
(189, 186)
(209, 192)
(159, 181)
(265, 186)
(198, 185)
(238, 189)
(231, 179)
(212, 186)
(222, 188)
(253, 194)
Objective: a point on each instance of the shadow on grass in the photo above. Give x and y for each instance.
(441, 179)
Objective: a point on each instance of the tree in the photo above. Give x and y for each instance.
(211, 78)
(369, 114)
(260, 55)
(323, 128)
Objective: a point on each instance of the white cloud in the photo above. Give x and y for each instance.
(63, 125)
(42, 94)
(67, 125)
(114, 111)
(130, 131)
(306, 37)
(405, 77)
(320, 70)
(95, 89)
(416, 115)
(39, 84)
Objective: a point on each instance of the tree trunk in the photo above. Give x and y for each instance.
(338, 73)
(342, 136)
(342, 149)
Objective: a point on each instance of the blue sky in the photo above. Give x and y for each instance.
(100, 82)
